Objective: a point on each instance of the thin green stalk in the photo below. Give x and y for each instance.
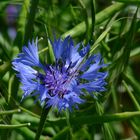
(43, 50)
(44, 114)
(99, 39)
(6, 126)
(21, 23)
(130, 1)
(85, 14)
(68, 123)
(73, 14)
(135, 128)
(10, 112)
(29, 112)
(114, 97)
(10, 106)
(96, 119)
(50, 54)
(27, 133)
(131, 96)
(81, 120)
(11, 79)
(5, 46)
(100, 17)
(106, 128)
(133, 82)
(62, 134)
(93, 12)
(4, 68)
(30, 22)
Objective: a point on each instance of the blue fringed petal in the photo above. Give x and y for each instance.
(59, 47)
(94, 86)
(94, 75)
(28, 86)
(29, 55)
(25, 70)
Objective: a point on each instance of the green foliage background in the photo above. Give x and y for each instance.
(111, 28)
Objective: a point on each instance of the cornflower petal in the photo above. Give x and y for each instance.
(24, 70)
(29, 55)
(28, 86)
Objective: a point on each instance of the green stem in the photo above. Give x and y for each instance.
(6, 126)
(130, 80)
(114, 97)
(135, 128)
(137, 106)
(97, 119)
(100, 17)
(27, 133)
(29, 112)
(85, 14)
(106, 128)
(30, 21)
(81, 120)
(21, 23)
(68, 123)
(9, 112)
(44, 114)
(93, 12)
(4, 68)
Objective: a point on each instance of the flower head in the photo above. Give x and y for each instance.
(63, 83)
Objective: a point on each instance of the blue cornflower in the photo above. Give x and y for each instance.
(63, 83)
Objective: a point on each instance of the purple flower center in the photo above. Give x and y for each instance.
(57, 80)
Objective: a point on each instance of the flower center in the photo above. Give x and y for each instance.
(55, 81)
